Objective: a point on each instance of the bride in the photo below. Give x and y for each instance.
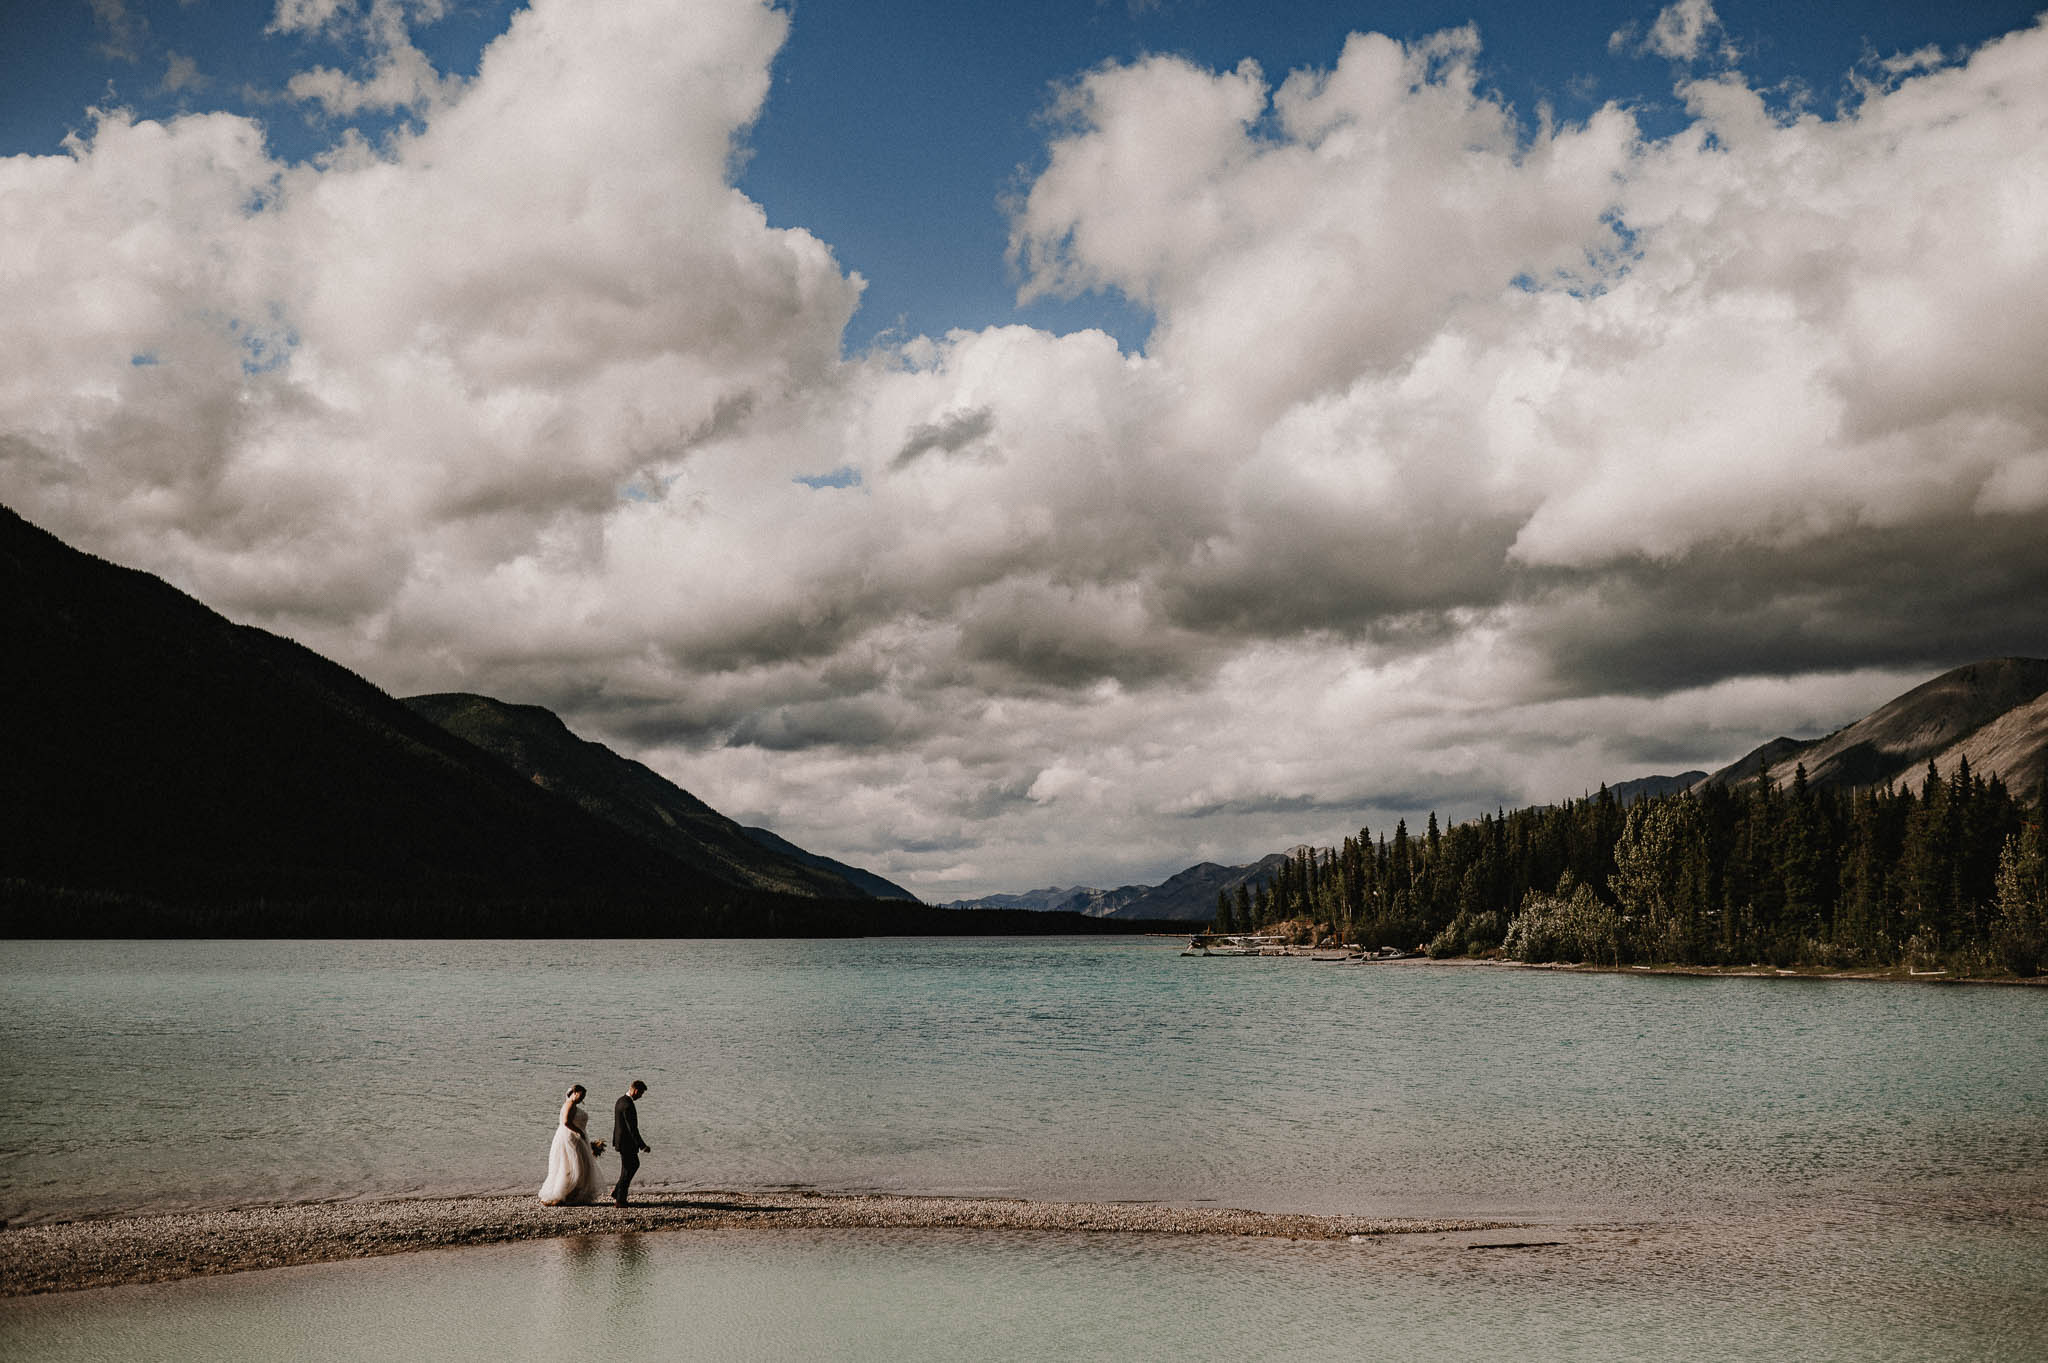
(572, 1160)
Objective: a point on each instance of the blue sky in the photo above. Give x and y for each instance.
(897, 128)
(1479, 418)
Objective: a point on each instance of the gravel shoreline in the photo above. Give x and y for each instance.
(66, 1256)
(1873, 974)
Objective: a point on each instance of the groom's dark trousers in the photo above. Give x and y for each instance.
(629, 1165)
(626, 1140)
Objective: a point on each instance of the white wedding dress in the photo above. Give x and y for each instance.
(572, 1167)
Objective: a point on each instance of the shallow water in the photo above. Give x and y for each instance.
(1739, 1168)
(950, 1295)
(208, 1073)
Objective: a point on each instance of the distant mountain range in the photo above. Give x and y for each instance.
(1993, 713)
(162, 760)
(1189, 895)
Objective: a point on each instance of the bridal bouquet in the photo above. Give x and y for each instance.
(597, 1147)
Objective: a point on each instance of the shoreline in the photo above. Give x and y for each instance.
(1877, 974)
(1731, 972)
(67, 1256)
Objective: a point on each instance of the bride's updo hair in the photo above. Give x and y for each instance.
(575, 1091)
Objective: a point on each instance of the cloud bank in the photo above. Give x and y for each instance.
(1467, 463)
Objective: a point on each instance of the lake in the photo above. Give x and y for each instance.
(1823, 1159)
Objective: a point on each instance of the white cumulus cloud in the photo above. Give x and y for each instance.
(1467, 463)
(1680, 32)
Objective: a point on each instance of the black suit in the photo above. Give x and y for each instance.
(626, 1140)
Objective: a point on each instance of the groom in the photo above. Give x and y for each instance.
(626, 1140)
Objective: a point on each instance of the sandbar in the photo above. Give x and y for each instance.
(69, 1255)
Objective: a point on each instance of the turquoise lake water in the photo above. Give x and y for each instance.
(1804, 1169)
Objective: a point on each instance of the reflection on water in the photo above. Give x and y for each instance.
(1871, 1292)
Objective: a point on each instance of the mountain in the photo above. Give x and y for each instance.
(865, 882)
(2015, 745)
(157, 750)
(1646, 787)
(1050, 899)
(1769, 755)
(167, 773)
(1109, 903)
(1191, 894)
(1995, 713)
(637, 800)
(1188, 896)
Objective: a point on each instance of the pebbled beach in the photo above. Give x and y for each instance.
(65, 1256)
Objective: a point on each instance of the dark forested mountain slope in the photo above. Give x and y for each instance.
(155, 749)
(636, 799)
(867, 882)
(166, 772)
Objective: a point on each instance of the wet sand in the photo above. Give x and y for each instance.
(65, 1256)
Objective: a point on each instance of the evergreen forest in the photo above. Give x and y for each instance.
(1949, 877)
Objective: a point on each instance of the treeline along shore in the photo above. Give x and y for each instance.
(1949, 877)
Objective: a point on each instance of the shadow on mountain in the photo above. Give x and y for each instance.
(170, 772)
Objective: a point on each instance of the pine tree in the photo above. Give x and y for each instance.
(2020, 934)
(1659, 878)
(1861, 923)
(1799, 860)
(1351, 875)
(1926, 865)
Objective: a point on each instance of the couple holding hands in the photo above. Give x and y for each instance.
(572, 1159)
